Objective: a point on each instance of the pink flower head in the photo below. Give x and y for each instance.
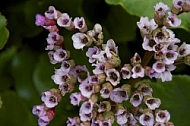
(40, 20)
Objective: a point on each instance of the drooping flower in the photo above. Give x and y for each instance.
(146, 25)
(80, 40)
(162, 116)
(147, 119)
(118, 95)
(113, 76)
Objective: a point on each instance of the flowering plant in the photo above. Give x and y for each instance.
(94, 62)
(112, 92)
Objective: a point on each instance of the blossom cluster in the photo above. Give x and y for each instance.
(103, 99)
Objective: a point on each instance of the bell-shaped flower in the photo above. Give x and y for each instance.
(80, 40)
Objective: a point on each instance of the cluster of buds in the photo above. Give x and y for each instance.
(103, 98)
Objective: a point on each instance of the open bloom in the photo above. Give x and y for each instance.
(118, 95)
(80, 40)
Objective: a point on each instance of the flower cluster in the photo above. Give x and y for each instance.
(102, 97)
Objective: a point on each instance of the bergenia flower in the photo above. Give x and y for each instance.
(80, 24)
(162, 116)
(80, 40)
(51, 13)
(113, 76)
(147, 119)
(118, 95)
(65, 21)
(146, 25)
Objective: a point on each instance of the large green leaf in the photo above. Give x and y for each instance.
(120, 25)
(5, 59)
(14, 111)
(175, 98)
(146, 8)
(42, 74)
(23, 65)
(4, 33)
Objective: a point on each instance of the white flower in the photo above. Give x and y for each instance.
(161, 8)
(80, 24)
(162, 116)
(64, 20)
(184, 50)
(138, 71)
(113, 76)
(148, 44)
(172, 20)
(51, 13)
(146, 25)
(121, 116)
(86, 107)
(147, 119)
(80, 40)
(152, 103)
(136, 99)
(86, 89)
(159, 66)
(119, 95)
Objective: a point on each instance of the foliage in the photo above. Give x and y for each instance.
(26, 72)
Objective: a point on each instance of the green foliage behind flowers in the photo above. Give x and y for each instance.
(25, 70)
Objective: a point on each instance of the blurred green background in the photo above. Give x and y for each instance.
(25, 70)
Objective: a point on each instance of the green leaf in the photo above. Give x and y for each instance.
(175, 98)
(5, 59)
(42, 74)
(4, 33)
(120, 24)
(0, 102)
(23, 65)
(146, 8)
(14, 111)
